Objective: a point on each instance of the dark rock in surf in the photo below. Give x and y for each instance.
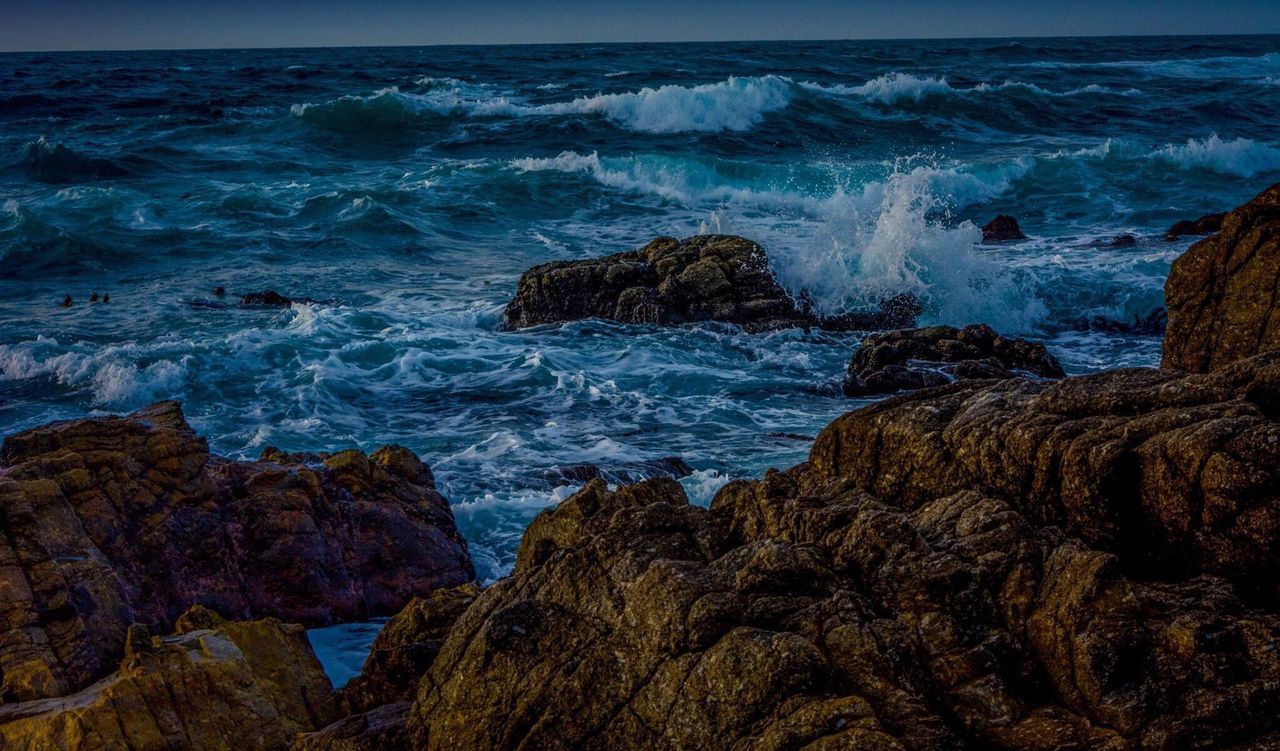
(1152, 324)
(621, 474)
(269, 298)
(669, 282)
(1003, 228)
(1223, 294)
(1205, 225)
(1119, 241)
(918, 358)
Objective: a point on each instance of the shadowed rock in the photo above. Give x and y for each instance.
(669, 282)
(251, 685)
(113, 521)
(1205, 225)
(917, 358)
(1223, 294)
(1003, 228)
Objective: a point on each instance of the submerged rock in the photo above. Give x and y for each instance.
(270, 298)
(621, 474)
(917, 358)
(1223, 294)
(113, 521)
(1205, 225)
(669, 281)
(1151, 324)
(1003, 228)
(251, 685)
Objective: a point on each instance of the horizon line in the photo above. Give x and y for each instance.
(641, 42)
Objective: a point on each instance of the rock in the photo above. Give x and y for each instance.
(269, 298)
(1205, 225)
(1223, 294)
(1152, 324)
(1175, 473)
(405, 648)
(669, 282)
(1119, 241)
(620, 474)
(379, 729)
(1003, 228)
(247, 685)
(917, 358)
(806, 610)
(113, 521)
(219, 291)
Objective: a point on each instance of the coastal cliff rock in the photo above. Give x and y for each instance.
(113, 521)
(669, 281)
(246, 685)
(911, 359)
(1223, 294)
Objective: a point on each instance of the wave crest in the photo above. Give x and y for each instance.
(1241, 157)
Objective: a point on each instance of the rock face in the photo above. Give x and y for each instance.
(917, 358)
(1003, 228)
(669, 281)
(1018, 564)
(1205, 225)
(248, 685)
(114, 521)
(1223, 294)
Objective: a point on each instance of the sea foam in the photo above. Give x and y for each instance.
(1242, 157)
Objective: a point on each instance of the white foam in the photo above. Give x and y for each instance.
(1242, 157)
(110, 375)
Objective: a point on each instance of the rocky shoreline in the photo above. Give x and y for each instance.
(1034, 562)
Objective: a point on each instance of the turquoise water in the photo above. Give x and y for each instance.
(408, 188)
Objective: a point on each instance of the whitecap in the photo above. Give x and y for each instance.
(1241, 157)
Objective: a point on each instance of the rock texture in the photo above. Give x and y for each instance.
(1003, 228)
(1223, 294)
(114, 521)
(1205, 225)
(1019, 564)
(911, 359)
(669, 281)
(248, 685)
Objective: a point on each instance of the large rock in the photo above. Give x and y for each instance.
(248, 685)
(805, 611)
(1223, 294)
(120, 520)
(911, 359)
(1205, 225)
(669, 281)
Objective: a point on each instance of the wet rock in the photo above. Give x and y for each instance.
(247, 685)
(1205, 225)
(912, 359)
(379, 729)
(1119, 241)
(1003, 228)
(669, 282)
(1151, 324)
(269, 298)
(620, 474)
(113, 521)
(1223, 294)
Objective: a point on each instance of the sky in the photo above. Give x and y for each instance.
(182, 24)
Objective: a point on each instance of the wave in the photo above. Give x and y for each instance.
(1241, 157)
(1204, 67)
(891, 88)
(112, 379)
(55, 163)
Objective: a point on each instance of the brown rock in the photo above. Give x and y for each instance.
(1224, 292)
(120, 520)
(911, 359)
(247, 685)
(1003, 228)
(669, 281)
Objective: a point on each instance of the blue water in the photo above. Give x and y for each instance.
(412, 186)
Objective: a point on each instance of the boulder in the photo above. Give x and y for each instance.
(112, 521)
(910, 359)
(1223, 294)
(669, 282)
(1003, 228)
(270, 298)
(246, 685)
(1205, 225)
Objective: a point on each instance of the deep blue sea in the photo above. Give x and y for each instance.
(409, 187)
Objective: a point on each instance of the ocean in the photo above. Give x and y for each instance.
(406, 189)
